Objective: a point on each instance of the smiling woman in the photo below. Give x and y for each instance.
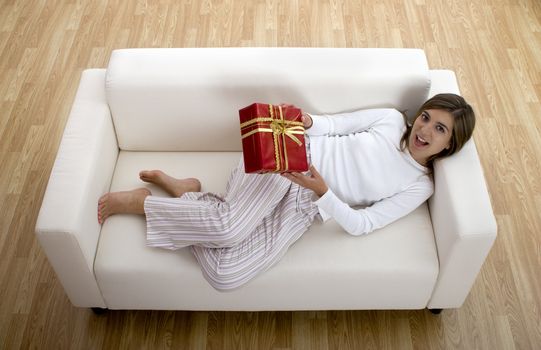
(443, 125)
(359, 158)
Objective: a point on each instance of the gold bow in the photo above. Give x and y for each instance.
(280, 128)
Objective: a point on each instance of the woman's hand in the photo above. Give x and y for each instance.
(305, 118)
(313, 182)
(307, 121)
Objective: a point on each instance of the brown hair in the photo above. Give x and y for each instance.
(464, 118)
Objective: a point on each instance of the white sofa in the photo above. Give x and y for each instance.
(177, 110)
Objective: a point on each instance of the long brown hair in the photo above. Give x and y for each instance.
(464, 118)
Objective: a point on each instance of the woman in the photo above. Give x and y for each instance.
(368, 158)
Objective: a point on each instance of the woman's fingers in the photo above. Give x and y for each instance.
(306, 121)
(297, 178)
(291, 175)
(313, 182)
(286, 105)
(314, 171)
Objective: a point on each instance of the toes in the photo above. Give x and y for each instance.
(103, 199)
(102, 203)
(101, 214)
(148, 175)
(101, 219)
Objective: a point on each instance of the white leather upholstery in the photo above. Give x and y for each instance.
(182, 94)
(67, 227)
(464, 224)
(326, 269)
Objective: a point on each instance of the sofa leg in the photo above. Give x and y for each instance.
(436, 311)
(99, 310)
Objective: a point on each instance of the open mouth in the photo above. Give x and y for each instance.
(420, 142)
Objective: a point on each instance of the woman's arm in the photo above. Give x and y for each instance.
(362, 221)
(350, 122)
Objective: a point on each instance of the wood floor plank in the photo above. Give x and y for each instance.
(494, 46)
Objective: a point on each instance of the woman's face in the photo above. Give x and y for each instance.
(431, 133)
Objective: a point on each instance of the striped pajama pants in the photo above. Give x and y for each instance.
(236, 236)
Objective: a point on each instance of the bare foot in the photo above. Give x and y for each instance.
(131, 202)
(175, 187)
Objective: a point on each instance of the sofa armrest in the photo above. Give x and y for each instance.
(464, 225)
(67, 226)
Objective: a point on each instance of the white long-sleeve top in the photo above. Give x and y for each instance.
(358, 155)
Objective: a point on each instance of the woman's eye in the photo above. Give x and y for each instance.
(440, 129)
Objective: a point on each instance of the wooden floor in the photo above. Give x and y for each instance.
(494, 46)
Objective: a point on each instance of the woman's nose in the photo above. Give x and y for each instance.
(425, 128)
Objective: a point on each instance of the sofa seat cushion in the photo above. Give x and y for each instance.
(393, 268)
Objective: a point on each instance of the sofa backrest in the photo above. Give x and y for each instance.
(187, 99)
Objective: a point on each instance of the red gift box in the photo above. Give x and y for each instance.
(272, 139)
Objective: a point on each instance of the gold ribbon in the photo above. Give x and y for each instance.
(280, 128)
